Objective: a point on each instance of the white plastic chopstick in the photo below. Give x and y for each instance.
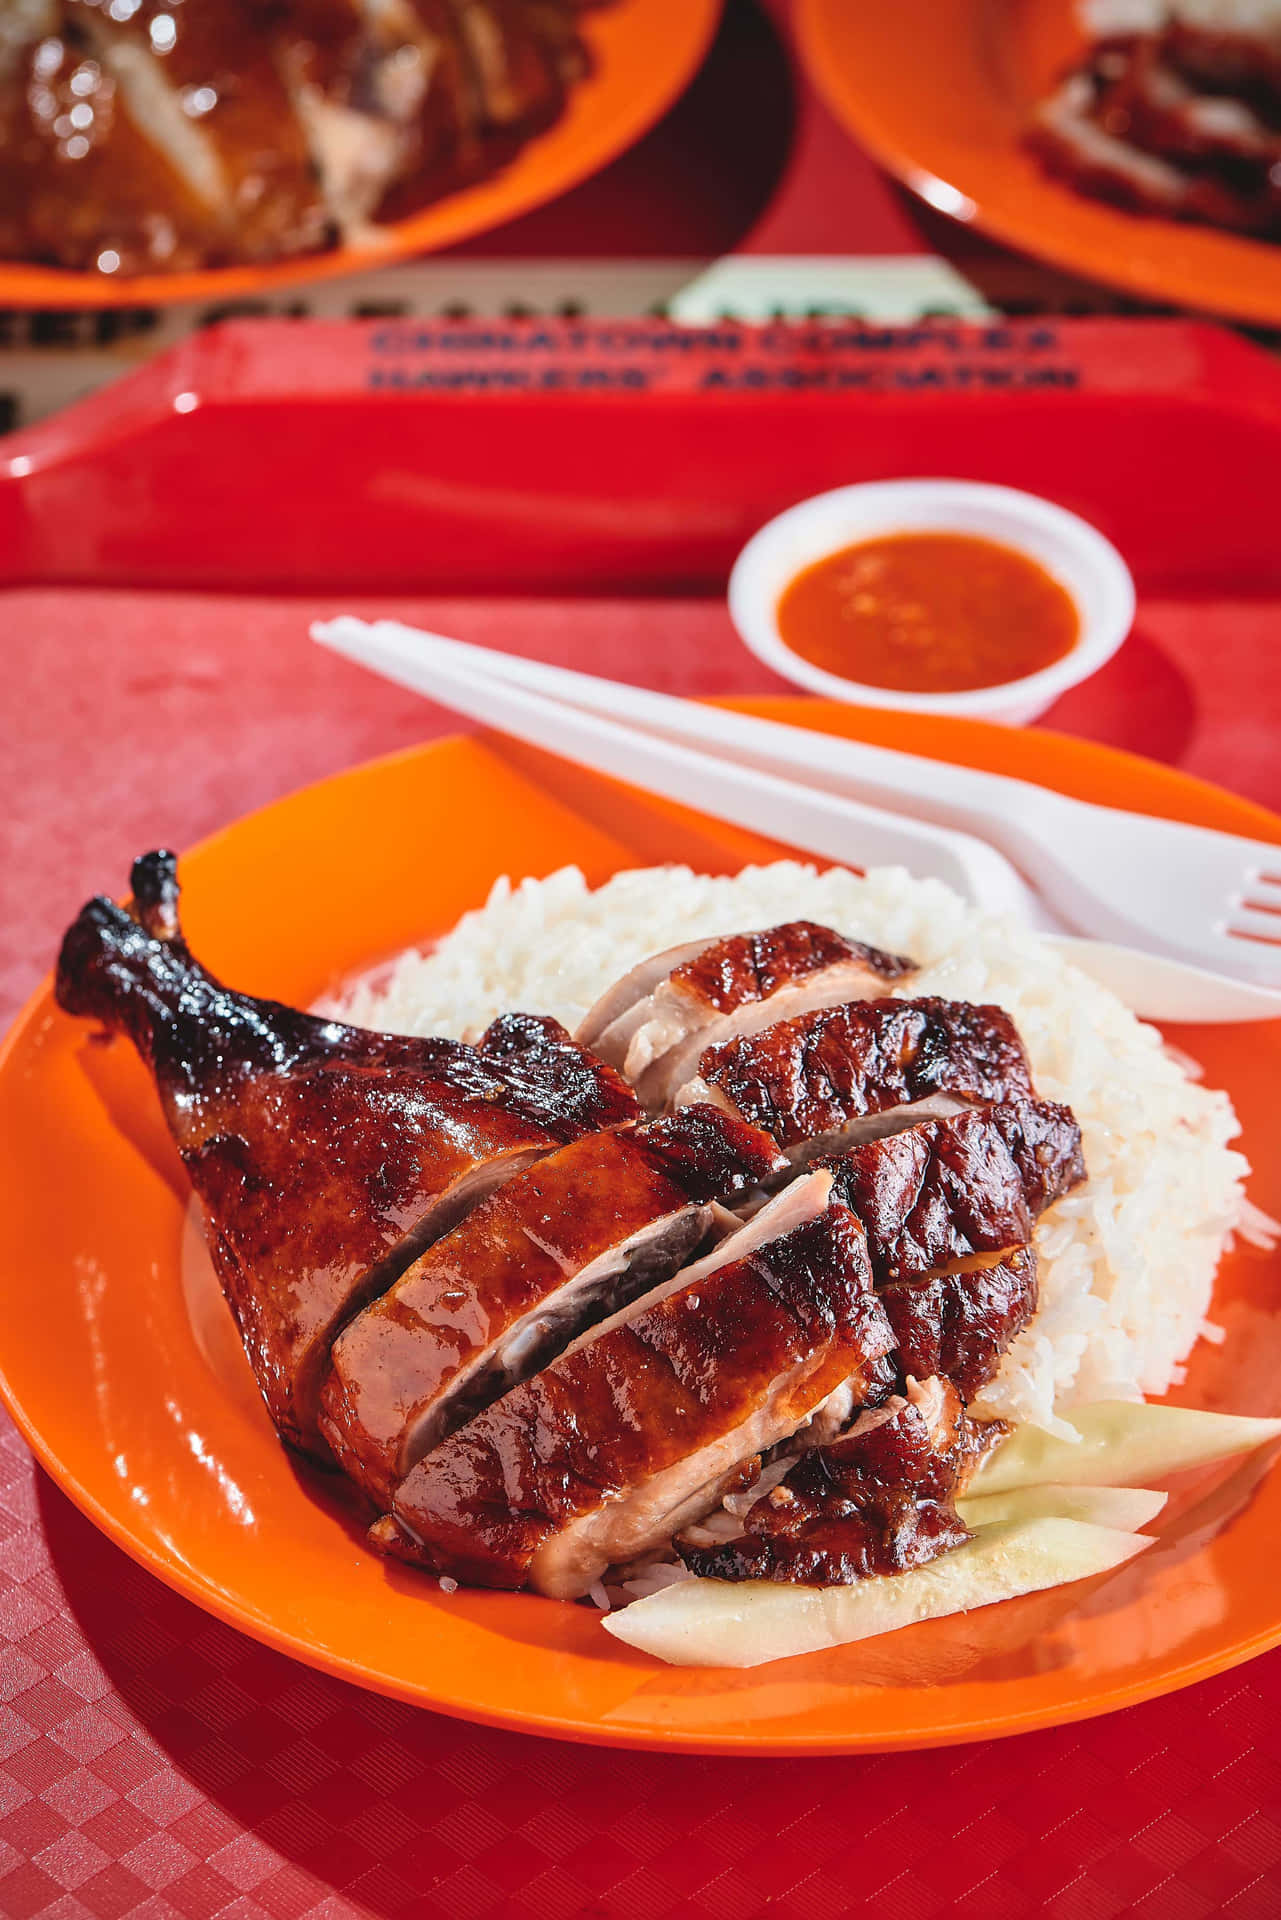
(824, 823)
(1155, 986)
(1211, 899)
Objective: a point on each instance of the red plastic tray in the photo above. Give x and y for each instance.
(627, 457)
(157, 570)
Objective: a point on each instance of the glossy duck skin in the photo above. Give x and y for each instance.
(572, 1238)
(747, 968)
(655, 1023)
(877, 1501)
(324, 1156)
(972, 1183)
(636, 1431)
(854, 1072)
(958, 1323)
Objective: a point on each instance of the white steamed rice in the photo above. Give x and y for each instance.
(1127, 1262)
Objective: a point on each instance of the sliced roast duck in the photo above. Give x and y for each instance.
(569, 1240)
(639, 1427)
(832, 1078)
(529, 1327)
(655, 1022)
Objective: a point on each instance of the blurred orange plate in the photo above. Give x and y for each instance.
(644, 54)
(132, 1390)
(941, 91)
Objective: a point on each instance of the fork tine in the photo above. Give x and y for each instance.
(1251, 922)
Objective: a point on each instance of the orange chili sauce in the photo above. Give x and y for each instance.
(928, 613)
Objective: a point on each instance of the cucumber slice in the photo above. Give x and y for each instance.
(1125, 1508)
(717, 1623)
(1123, 1443)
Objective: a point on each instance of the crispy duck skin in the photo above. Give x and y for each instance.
(638, 1428)
(958, 1322)
(877, 1501)
(656, 1021)
(973, 1183)
(325, 1156)
(849, 1073)
(572, 1238)
(749, 967)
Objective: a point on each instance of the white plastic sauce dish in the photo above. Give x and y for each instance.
(1072, 552)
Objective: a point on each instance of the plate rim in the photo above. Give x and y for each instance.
(1036, 232)
(534, 1721)
(461, 215)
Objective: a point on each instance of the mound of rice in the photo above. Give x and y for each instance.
(1127, 1262)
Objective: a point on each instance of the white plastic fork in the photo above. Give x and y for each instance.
(590, 721)
(763, 801)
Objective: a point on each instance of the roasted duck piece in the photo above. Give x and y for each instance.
(830, 1079)
(948, 1207)
(959, 1321)
(573, 1238)
(641, 1424)
(1174, 113)
(657, 1020)
(145, 136)
(973, 1183)
(518, 76)
(325, 1157)
(878, 1500)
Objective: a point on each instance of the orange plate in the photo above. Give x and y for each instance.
(941, 91)
(138, 1401)
(644, 53)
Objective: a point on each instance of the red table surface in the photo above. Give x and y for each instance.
(153, 1761)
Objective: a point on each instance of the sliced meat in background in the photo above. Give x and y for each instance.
(1179, 123)
(153, 137)
(130, 184)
